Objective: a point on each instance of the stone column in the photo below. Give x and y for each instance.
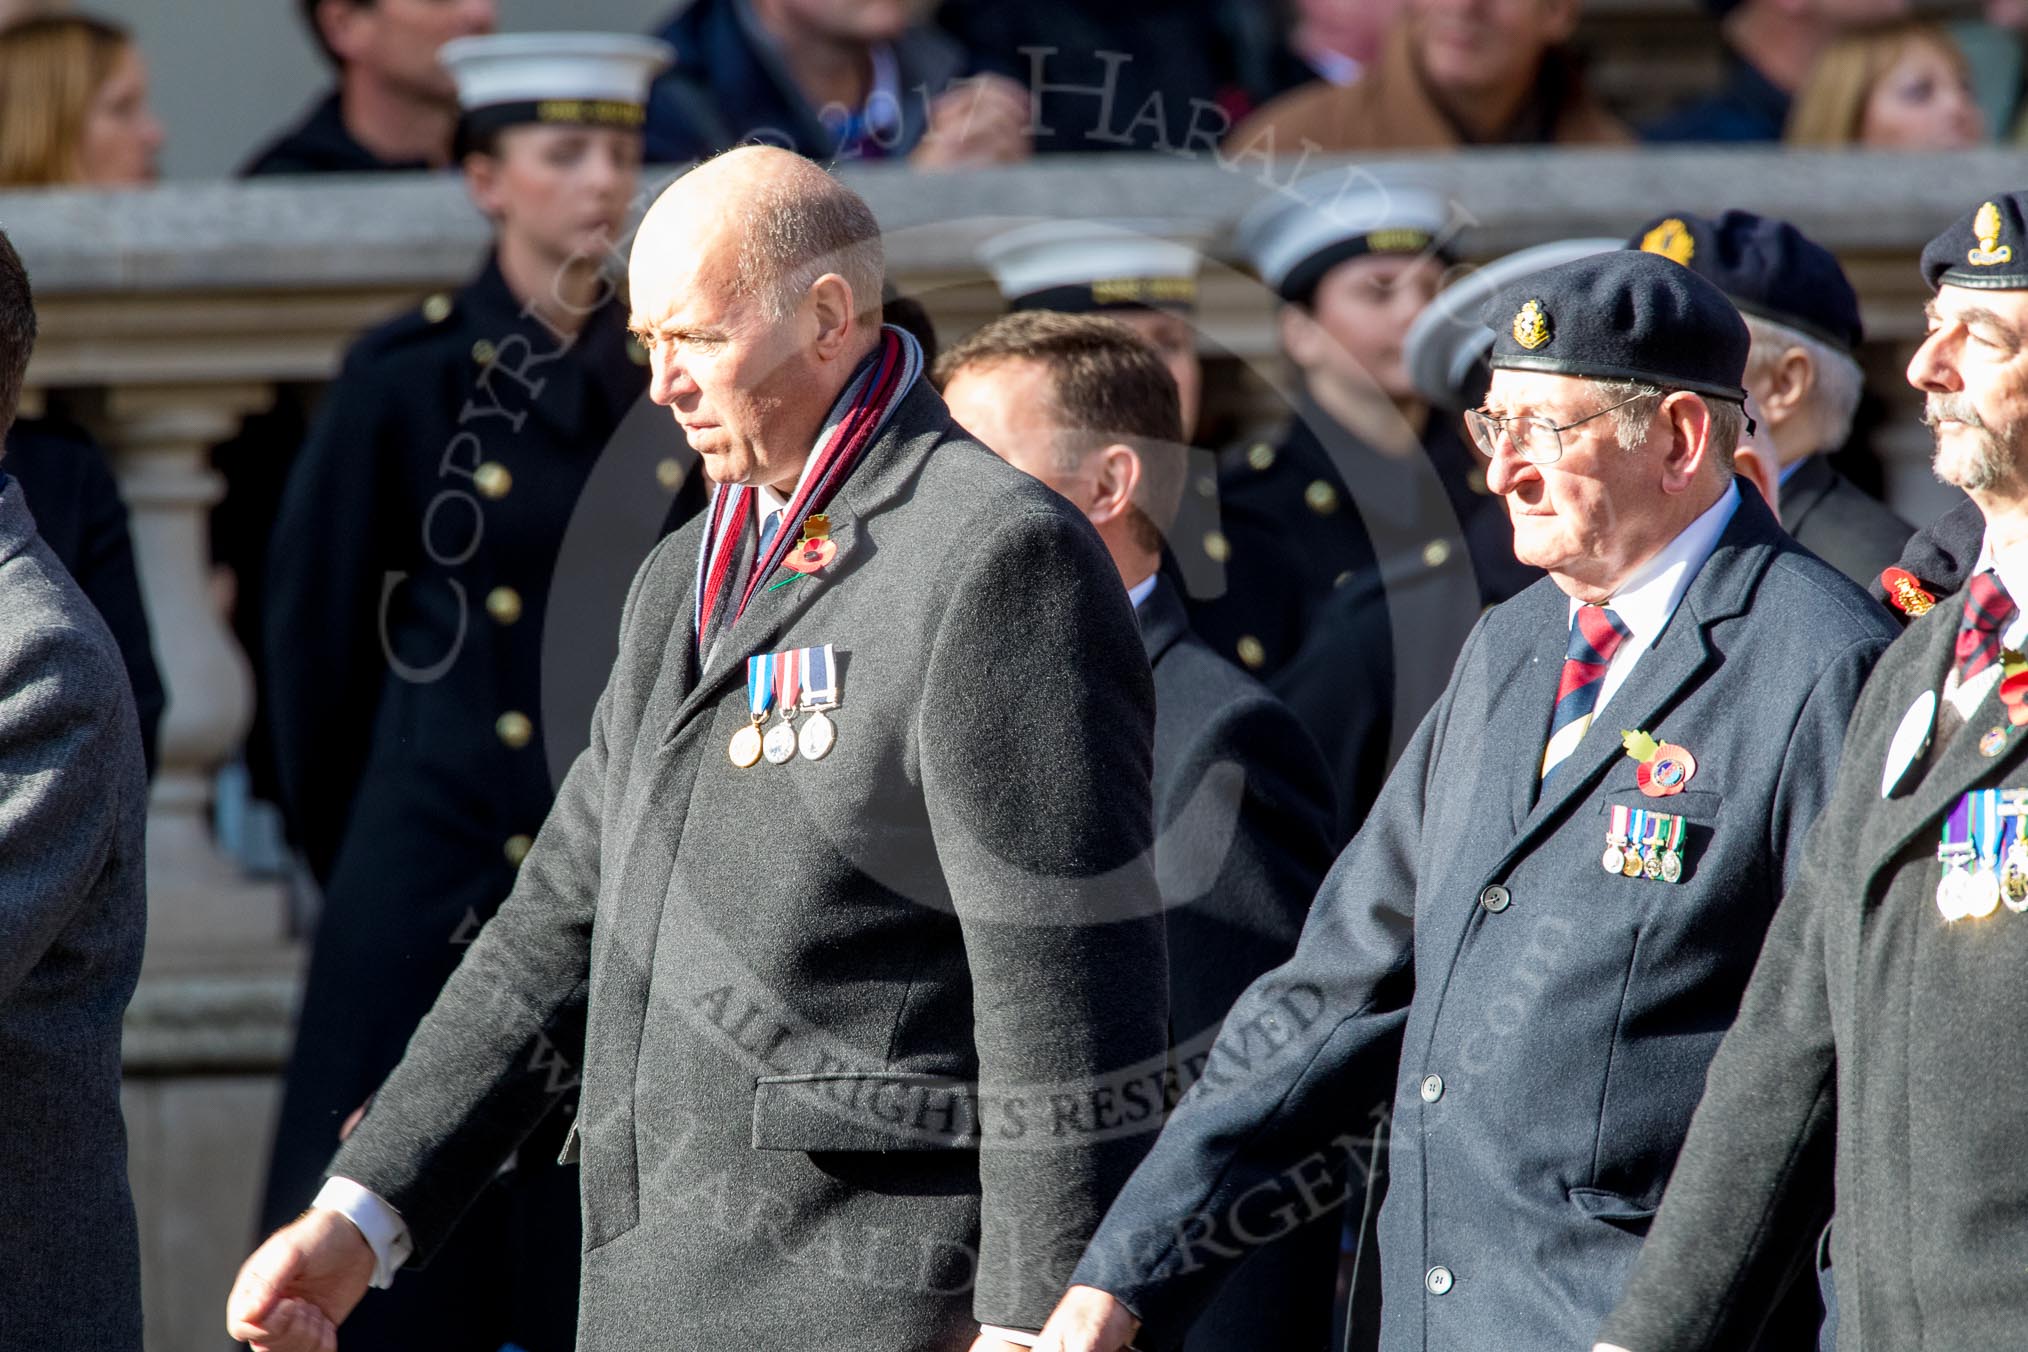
(201, 907)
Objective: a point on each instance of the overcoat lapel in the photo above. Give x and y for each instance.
(1954, 769)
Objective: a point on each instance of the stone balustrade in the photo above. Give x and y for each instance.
(169, 315)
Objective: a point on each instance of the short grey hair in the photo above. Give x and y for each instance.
(793, 236)
(1630, 421)
(1835, 400)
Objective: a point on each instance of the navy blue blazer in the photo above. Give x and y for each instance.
(1555, 1021)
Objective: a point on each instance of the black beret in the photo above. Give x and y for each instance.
(1623, 315)
(1765, 267)
(1986, 249)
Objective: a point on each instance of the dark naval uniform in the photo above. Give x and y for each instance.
(321, 144)
(1243, 819)
(1840, 522)
(449, 565)
(1544, 1026)
(1342, 564)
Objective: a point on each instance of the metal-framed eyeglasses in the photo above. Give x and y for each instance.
(1539, 440)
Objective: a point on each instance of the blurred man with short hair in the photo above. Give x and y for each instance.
(1770, 46)
(394, 107)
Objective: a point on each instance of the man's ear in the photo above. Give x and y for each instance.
(1115, 478)
(1790, 384)
(1687, 420)
(831, 305)
(343, 26)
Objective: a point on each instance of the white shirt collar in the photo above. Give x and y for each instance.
(2015, 580)
(766, 500)
(1142, 590)
(1646, 600)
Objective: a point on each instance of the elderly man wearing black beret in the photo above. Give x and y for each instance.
(1802, 372)
(1545, 925)
(1877, 1055)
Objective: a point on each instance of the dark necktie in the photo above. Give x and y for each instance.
(1595, 635)
(1988, 612)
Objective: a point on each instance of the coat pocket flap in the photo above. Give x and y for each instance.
(864, 1111)
(1616, 1207)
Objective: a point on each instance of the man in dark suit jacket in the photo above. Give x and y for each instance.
(1876, 1058)
(1801, 373)
(871, 1009)
(1554, 1019)
(1243, 808)
(831, 81)
(73, 908)
(394, 108)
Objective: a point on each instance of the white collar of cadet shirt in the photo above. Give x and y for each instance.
(1646, 600)
(766, 500)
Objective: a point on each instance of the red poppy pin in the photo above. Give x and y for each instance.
(1664, 768)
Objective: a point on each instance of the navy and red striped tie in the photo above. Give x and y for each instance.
(1595, 635)
(1988, 612)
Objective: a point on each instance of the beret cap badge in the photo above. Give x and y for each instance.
(1671, 239)
(1531, 326)
(1990, 253)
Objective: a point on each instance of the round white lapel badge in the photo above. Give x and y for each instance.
(1910, 740)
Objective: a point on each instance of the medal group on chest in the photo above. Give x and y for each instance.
(1984, 853)
(1646, 842)
(797, 680)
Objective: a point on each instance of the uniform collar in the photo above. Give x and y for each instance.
(1646, 600)
(2015, 579)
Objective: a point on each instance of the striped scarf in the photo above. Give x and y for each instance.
(852, 425)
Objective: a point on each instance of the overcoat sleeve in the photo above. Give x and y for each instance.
(64, 737)
(1270, 1128)
(479, 1073)
(1036, 751)
(1752, 1187)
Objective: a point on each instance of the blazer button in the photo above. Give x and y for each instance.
(504, 605)
(669, 473)
(1439, 1280)
(1432, 1088)
(514, 729)
(1495, 898)
(492, 480)
(516, 849)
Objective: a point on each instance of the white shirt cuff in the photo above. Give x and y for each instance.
(1019, 1336)
(386, 1233)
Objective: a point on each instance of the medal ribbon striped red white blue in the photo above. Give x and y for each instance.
(854, 423)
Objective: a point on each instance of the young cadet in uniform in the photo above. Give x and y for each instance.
(1877, 1054)
(1802, 374)
(1669, 705)
(448, 566)
(1362, 468)
(1243, 806)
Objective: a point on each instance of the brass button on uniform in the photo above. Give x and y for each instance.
(1432, 1088)
(504, 604)
(1342, 578)
(636, 354)
(1437, 553)
(1496, 898)
(1260, 455)
(492, 479)
(1207, 487)
(514, 729)
(482, 352)
(1320, 498)
(1476, 481)
(1217, 547)
(669, 474)
(516, 849)
(1439, 1280)
(437, 308)
(1251, 652)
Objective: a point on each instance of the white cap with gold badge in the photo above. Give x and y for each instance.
(1083, 266)
(1297, 235)
(570, 79)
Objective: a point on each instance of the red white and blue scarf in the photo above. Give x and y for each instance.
(852, 425)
